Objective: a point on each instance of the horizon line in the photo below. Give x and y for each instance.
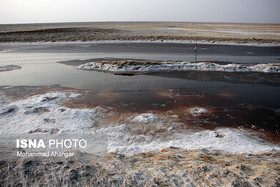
(60, 22)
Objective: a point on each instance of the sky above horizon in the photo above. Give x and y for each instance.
(48, 11)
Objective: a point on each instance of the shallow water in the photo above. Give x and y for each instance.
(237, 100)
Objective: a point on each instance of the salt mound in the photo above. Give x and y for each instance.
(145, 118)
(9, 67)
(198, 111)
(182, 66)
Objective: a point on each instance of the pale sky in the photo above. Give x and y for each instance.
(41, 11)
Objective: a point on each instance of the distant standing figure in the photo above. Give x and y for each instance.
(195, 51)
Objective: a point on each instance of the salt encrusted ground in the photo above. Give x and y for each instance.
(168, 167)
(45, 113)
(209, 32)
(138, 66)
(203, 158)
(200, 42)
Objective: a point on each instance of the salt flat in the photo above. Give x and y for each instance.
(213, 32)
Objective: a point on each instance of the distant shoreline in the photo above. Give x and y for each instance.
(199, 42)
(219, 41)
(239, 33)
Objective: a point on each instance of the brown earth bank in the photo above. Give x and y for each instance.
(168, 167)
(213, 32)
